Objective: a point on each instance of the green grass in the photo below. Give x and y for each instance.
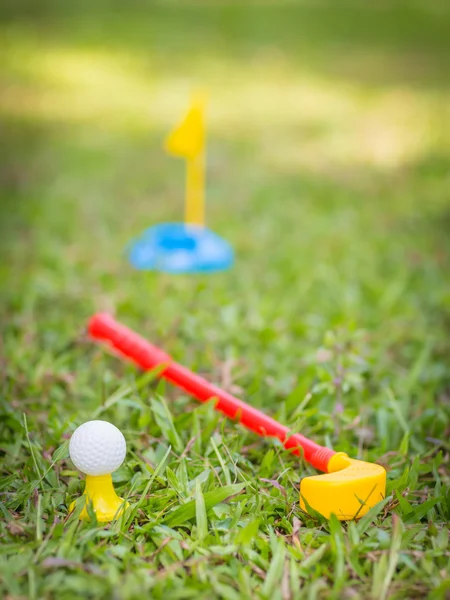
(328, 170)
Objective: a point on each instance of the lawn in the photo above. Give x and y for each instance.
(328, 171)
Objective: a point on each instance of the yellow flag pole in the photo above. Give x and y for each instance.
(188, 141)
(195, 190)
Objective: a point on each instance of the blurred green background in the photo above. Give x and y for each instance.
(326, 122)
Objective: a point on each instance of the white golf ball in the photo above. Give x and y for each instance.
(97, 448)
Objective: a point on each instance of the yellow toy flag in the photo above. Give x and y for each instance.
(188, 138)
(188, 141)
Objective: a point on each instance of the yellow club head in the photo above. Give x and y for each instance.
(349, 489)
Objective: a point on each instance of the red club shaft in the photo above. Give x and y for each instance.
(127, 343)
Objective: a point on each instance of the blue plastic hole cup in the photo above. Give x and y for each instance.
(180, 248)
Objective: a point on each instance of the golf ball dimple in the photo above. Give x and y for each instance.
(97, 448)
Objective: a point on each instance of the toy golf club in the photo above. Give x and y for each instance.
(187, 247)
(349, 488)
